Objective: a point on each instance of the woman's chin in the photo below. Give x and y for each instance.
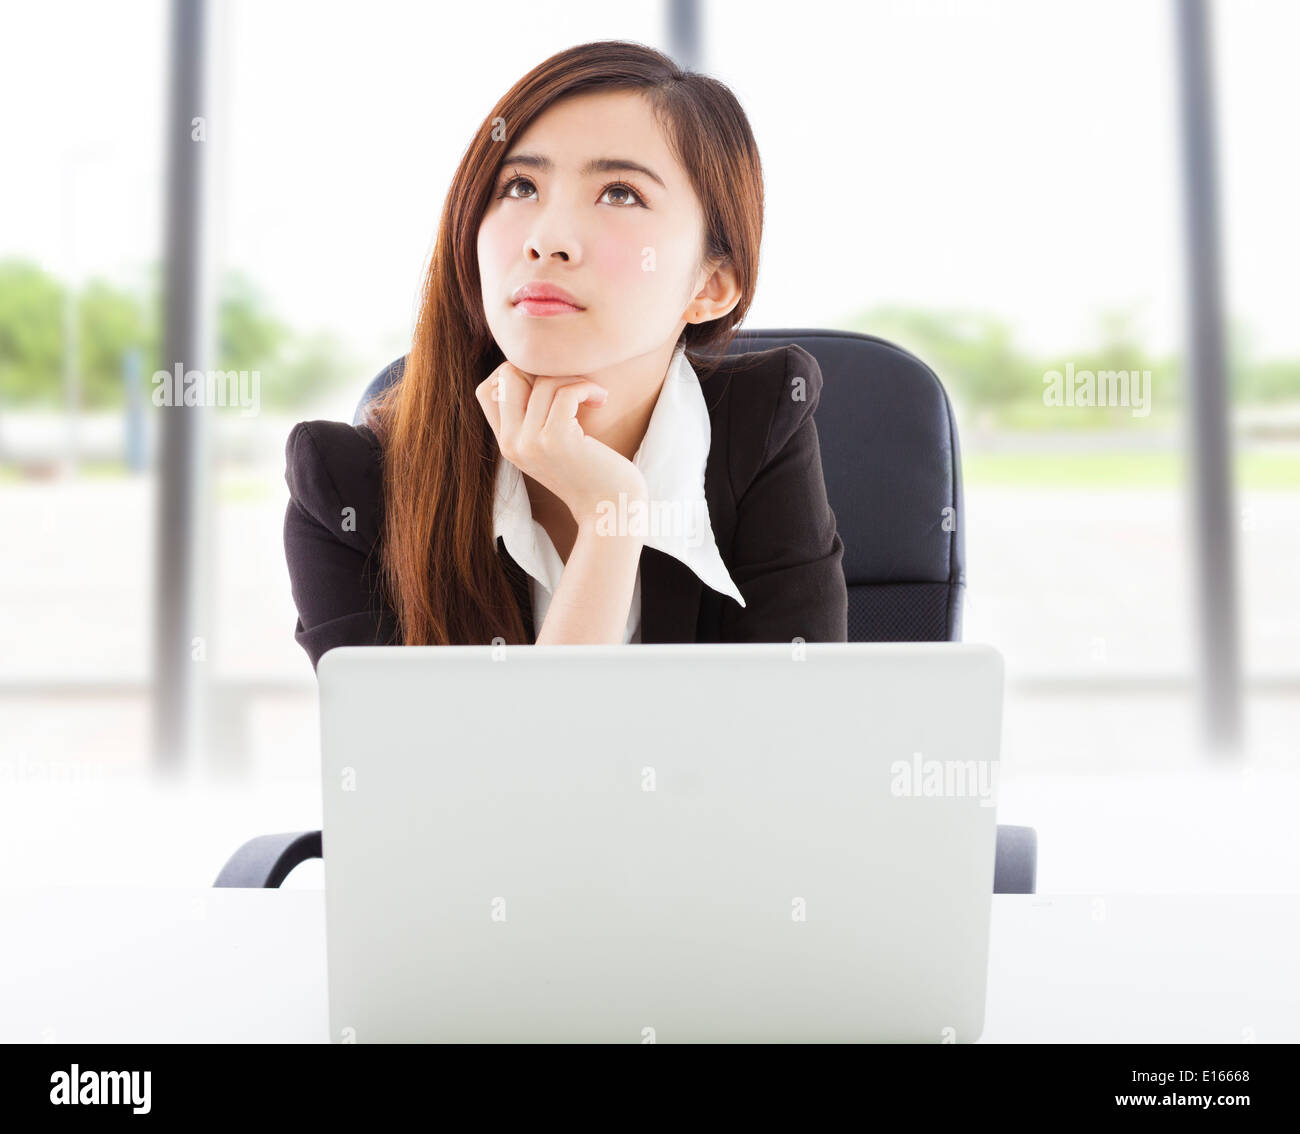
(545, 363)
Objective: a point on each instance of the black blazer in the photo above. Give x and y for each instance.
(767, 505)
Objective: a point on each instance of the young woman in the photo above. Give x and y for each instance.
(567, 457)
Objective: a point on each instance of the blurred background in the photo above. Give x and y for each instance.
(1006, 189)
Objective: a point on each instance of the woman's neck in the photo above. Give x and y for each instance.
(634, 387)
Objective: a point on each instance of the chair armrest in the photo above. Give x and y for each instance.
(1015, 866)
(265, 861)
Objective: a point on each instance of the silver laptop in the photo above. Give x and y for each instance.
(659, 843)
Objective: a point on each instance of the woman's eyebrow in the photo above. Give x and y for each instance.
(596, 165)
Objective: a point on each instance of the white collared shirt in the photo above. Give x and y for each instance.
(672, 457)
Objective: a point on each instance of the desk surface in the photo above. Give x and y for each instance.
(132, 965)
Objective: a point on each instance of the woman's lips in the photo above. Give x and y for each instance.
(547, 307)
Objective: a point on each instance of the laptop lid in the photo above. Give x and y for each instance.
(659, 843)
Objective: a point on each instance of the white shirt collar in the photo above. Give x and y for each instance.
(672, 456)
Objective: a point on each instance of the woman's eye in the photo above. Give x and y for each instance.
(631, 196)
(505, 189)
(619, 187)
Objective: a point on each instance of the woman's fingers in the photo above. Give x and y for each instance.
(485, 392)
(513, 394)
(567, 399)
(539, 403)
(522, 409)
(489, 395)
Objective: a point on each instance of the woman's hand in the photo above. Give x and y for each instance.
(535, 420)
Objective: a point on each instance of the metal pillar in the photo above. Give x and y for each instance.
(684, 41)
(181, 454)
(1212, 471)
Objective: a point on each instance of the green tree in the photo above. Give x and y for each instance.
(31, 333)
(111, 323)
(112, 320)
(972, 352)
(249, 337)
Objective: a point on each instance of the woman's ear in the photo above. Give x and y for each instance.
(718, 295)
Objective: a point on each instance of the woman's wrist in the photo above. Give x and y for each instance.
(610, 514)
(591, 603)
(611, 524)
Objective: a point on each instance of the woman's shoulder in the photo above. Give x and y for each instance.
(798, 390)
(332, 468)
(760, 400)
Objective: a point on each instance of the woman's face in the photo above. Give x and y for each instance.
(625, 243)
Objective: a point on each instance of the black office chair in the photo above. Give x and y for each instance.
(893, 477)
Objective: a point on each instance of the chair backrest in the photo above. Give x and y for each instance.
(893, 477)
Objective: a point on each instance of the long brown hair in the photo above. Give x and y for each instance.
(441, 571)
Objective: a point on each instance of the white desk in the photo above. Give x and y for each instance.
(131, 965)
